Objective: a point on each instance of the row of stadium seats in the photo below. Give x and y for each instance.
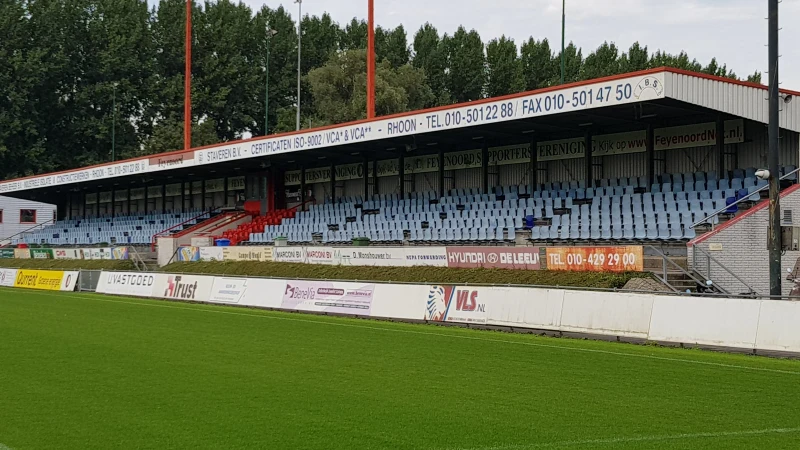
(133, 229)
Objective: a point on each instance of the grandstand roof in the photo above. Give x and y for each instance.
(661, 97)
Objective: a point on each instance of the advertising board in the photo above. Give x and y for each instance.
(67, 253)
(228, 290)
(6, 253)
(48, 280)
(596, 259)
(189, 254)
(210, 254)
(456, 304)
(128, 283)
(8, 277)
(330, 297)
(494, 257)
(22, 253)
(97, 253)
(41, 253)
(183, 287)
(120, 253)
(261, 254)
(367, 256)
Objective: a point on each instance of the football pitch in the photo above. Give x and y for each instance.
(84, 371)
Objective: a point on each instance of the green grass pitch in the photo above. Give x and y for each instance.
(82, 371)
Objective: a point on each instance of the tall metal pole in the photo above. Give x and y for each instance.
(371, 60)
(774, 163)
(299, 45)
(270, 33)
(187, 81)
(114, 124)
(563, 26)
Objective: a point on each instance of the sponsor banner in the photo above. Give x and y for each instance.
(121, 253)
(456, 304)
(183, 287)
(96, 253)
(41, 253)
(216, 185)
(236, 183)
(48, 280)
(248, 253)
(329, 297)
(596, 259)
(165, 162)
(494, 257)
(8, 277)
(67, 253)
(366, 256)
(189, 254)
(6, 253)
(128, 283)
(22, 253)
(228, 290)
(670, 138)
(210, 253)
(69, 281)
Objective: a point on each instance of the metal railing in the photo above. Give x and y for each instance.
(708, 275)
(9, 238)
(162, 233)
(743, 199)
(666, 262)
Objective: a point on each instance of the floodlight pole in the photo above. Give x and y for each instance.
(563, 27)
(774, 234)
(114, 123)
(299, 47)
(187, 81)
(371, 60)
(270, 33)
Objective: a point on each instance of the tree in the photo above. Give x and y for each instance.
(755, 77)
(573, 65)
(538, 66)
(430, 55)
(392, 45)
(635, 59)
(339, 88)
(503, 68)
(466, 76)
(353, 36)
(602, 62)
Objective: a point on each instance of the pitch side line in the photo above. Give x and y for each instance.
(626, 440)
(266, 314)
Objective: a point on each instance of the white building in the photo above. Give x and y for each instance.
(17, 215)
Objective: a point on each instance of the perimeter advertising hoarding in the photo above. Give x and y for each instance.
(6, 253)
(67, 253)
(596, 259)
(228, 290)
(494, 257)
(47, 280)
(456, 304)
(189, 254)
(367, 256)
(41, 253)
(183, 287)
(128, 283)
(329, 297)
(262, 254)
(7, 277)
(210, 253)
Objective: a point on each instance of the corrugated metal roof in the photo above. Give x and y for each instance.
(746, 100)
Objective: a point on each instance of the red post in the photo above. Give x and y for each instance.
(187, 82)
(371, 61)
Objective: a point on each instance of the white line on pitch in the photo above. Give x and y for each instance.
(218, 309)
(630, 439)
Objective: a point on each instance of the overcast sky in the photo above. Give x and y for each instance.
(733, 31)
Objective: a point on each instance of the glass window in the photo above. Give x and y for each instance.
(27, 216)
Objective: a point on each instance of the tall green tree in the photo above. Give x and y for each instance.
(504, 70)
(539, 68)
(430, 55)
(392, 45)
(353, 36)
(635, 59)
(573, 65)
(466, 60)
(602, 62)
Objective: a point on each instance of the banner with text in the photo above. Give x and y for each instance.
(329, 297)
(596, 259)
(456, 304)
(494, 257)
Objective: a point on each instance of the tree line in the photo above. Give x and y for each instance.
(74, 72)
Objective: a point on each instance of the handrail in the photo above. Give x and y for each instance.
(155, 236)
(53, 220)
(717, 212)
(665, 259)
(695, 249)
